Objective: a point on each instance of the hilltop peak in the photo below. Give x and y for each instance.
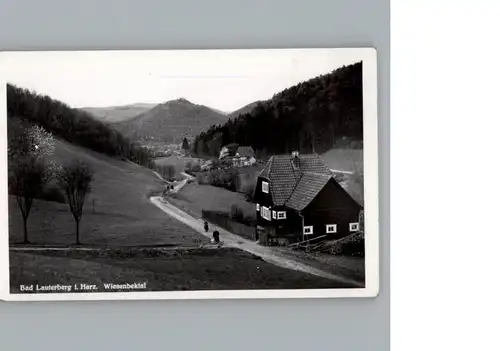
(171, 120)
(181, 100)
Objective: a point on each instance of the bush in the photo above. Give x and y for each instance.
(192, 167)
(227, 178)
(248, 188)
(201, 178)
(351, 245)
(53, 194)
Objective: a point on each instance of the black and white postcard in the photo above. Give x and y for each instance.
(187, 174)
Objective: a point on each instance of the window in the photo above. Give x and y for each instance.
(274, 214)
(308, 230)
(265, 187)
(331, 228)
(353, 227)
(265, 213)
(257, 207)
(281, 215)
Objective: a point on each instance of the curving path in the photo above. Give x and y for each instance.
(233, 240)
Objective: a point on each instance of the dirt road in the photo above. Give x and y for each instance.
(180, 184)
(232, 240)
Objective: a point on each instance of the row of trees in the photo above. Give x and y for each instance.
(30, 172)
(230, 179)
(73, 125)
(168, 172)
(311, 116)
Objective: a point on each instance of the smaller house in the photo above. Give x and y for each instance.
(228, 151)
(245, 156)
(224, 152)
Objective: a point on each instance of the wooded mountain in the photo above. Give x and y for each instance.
(171, 122)
(73, 125)
(245, 109)
(114, 114)
(314, 115)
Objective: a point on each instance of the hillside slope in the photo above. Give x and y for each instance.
(315, 115)
(115, 114)
(171, 122)
(245, 109)
(75, 126)
(117, 211)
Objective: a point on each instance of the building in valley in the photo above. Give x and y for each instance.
(245, 156)
(297, 198)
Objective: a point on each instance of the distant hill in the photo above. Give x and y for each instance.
(114, 114)
(219, 111)
(171, 122)
(245, 109)
(315, 115)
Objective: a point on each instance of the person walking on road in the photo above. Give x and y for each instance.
(216, 237)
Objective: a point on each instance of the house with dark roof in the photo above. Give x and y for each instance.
(297, 198)
(245, 156)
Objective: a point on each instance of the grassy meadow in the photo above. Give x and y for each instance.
(195, 197)
(117, 211)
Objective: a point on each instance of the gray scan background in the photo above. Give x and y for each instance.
(315, 324)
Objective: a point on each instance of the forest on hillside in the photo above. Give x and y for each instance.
(315, 115)
(73, 125)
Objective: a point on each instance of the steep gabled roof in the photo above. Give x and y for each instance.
(245, 151)
(284, 176)
(309, 185)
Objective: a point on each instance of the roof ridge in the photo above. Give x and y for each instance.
(318, 174)
(294, 187)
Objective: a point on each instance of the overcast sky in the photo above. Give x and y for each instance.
(222, 79)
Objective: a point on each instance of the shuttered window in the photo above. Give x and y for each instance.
(265, 213)
(265, 187)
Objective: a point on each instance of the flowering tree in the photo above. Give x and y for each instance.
(33, 141)
(28, 171)
(41, 142)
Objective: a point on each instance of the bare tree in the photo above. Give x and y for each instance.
(75, 179)
(27, 180)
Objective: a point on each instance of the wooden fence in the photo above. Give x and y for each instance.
(227, 223)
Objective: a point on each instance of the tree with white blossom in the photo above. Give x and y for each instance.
(29, 172)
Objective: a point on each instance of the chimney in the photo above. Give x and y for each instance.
(295, 159)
